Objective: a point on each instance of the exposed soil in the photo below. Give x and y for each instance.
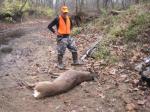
(29, 54)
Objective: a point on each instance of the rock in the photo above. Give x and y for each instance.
(139, 67)
(147, 72)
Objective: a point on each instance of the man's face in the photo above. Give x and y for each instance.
(64, 14)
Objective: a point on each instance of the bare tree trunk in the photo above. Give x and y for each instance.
(112, 3)
(23, 6)
(105, 3)
(56, 6)
(18, 14)
(98, 6)
(64, 2)
(124, 4)
(76, 7)
(137, 1)
(1, 1)
(81, 5)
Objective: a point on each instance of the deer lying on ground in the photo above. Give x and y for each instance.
(63, 83)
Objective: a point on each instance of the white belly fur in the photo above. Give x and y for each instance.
(36, 94)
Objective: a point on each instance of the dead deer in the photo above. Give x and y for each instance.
(63, 83)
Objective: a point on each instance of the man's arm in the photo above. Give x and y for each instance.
(53, 23)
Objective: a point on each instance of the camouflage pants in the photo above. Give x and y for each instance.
(66, 42)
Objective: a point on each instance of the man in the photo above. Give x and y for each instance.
(64, 25)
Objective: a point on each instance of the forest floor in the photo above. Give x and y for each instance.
(30, 55)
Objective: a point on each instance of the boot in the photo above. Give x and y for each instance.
(60, 64)
(75, 59)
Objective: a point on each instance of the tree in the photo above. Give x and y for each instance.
(19, 13)
(98, 5)
(105, 3)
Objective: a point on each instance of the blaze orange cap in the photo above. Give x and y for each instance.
(64, 9)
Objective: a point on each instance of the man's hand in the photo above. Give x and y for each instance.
(58, 34)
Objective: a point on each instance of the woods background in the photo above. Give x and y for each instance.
(16, 10)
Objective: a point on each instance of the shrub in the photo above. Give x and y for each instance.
(102, 52)
(43, 11)
(76, 30)
(138, 25)
(12, 8)
(122, 28)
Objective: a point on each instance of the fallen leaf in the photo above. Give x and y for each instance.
(141, 102)
(113, 71)
(130, 107)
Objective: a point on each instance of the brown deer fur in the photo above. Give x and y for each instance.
(63, 83)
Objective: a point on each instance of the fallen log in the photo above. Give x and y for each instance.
(63, 83)
(115, 12)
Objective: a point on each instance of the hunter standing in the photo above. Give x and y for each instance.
(64, 25)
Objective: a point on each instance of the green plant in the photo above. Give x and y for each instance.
(9, 6)
(43, 11)
(104, 12)
(76, 30)
(137, 26)
(17, 9)
(121, 29)
(102, 52)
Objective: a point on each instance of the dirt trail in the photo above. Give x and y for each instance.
(32, 58)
